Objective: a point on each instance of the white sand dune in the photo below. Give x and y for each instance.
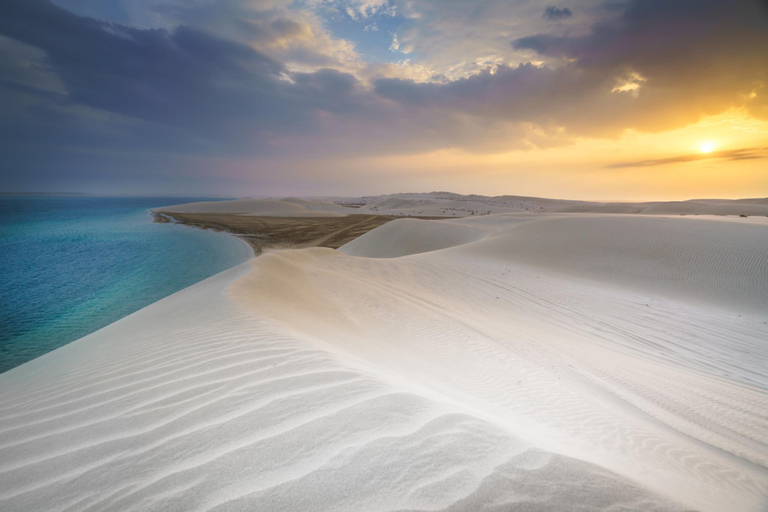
(411, 236)
(192, 404)
(446, 204)
(701, 260)
(750, 207)
(507, 362)
(424, 205)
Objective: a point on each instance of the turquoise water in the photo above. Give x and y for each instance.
(71, 265)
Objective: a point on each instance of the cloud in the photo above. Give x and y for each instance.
(678, 60)
(695, 57)
(254, 79)
(242, 98)
(186, 78)
(457, 38)
(556, 14)
(357, 9)
(293, 36)
(154, 100)
(733, 155)
(395, 46)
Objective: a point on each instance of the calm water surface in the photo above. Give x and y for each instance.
(71, 265)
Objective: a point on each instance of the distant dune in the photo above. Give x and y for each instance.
(446, 204)
(532, 355)
(722, 207)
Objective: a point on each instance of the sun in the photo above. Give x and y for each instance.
(707, 147)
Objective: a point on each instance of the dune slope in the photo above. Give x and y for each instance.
(703, 260)
(194, 404)
(667, 393)
(504, 362)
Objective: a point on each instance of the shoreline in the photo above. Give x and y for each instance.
(74, 264)
(273, 232)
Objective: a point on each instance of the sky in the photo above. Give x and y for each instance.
(575, 99)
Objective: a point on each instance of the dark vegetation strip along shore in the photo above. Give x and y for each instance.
(263, 232)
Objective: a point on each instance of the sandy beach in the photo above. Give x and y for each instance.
(514, 354)
(274, 232)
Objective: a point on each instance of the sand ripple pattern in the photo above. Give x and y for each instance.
(549, 362)
(593, 336)
(191, 404)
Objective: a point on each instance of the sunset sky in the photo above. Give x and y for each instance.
(581, 99)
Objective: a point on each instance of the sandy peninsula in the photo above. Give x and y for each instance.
(263, 232)
(513, 354)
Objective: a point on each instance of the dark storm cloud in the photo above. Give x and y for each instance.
(126, 103)
(150, 74)
(688, 58)
(555, 13)
(508, 92)
(523, 94)
(703, 52)
(732, 155)
(189, 93)
(185, 78)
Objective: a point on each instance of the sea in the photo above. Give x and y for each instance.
(70, 265)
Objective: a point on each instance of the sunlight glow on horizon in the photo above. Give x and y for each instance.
(582, 169)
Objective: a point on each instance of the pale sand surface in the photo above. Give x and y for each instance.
(445, 204)
(507, 362)
(263, 232)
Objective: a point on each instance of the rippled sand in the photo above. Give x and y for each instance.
(508, 362)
